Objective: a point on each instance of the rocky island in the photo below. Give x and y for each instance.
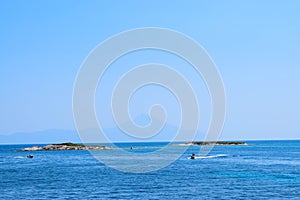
(216, 143)
(65, 146)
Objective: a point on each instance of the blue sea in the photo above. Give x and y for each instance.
(259, 170)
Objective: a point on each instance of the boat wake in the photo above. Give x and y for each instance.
(211, 156)
(20, 157)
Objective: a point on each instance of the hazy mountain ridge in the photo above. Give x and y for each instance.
(40, 137)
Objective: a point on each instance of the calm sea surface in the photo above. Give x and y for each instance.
(261, 170)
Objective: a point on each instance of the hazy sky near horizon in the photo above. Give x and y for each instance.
(255, 45)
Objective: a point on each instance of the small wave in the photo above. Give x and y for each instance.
(20, 157)
(211, 156)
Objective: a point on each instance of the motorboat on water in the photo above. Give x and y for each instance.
(193, 156)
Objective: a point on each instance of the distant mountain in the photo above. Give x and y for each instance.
(41, 137)
(58, 136)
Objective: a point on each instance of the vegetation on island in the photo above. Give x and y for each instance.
(65, 146)
(208, 143)
(70, 144)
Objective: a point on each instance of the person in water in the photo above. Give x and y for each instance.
(193, 156)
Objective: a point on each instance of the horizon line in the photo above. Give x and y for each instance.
(247, 140)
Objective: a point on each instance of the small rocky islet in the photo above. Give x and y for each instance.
(214, 143)
(66, 146)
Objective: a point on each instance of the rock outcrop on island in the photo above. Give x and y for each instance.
(216, 143)
(65, 146)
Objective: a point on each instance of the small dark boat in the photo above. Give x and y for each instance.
(30, 156)
(193, 156)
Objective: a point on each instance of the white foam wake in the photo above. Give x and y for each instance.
(20, 157)
(210, 156)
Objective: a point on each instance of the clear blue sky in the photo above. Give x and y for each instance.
(255, 44)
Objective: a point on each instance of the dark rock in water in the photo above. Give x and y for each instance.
(65, 146)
